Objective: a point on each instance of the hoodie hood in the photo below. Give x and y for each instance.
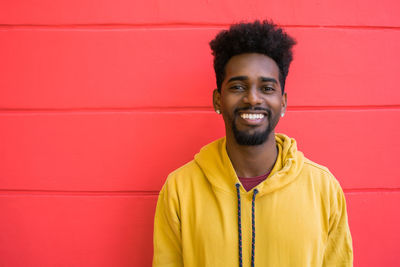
(218, 169)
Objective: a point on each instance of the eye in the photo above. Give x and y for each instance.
(237, 87)
(267, 89)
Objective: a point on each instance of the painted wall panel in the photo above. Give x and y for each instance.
(312, 12)
(63, 69)
(120, 151)
(116, 230)
(136, 151)
(76, 230)
(374, 220)
(358, 146)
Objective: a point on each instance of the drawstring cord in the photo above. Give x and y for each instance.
(239, 225)
(253, 226)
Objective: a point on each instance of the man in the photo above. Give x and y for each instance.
(251, 198)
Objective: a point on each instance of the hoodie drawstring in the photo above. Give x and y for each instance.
(239, 225)
(253, 226)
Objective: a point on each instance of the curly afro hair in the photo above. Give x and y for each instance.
(258, 37)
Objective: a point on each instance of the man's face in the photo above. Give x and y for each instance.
(251, 100)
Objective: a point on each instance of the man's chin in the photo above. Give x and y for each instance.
(246, 138)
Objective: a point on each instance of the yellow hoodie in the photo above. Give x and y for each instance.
(299, 214)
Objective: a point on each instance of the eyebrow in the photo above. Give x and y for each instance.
(238, 78)
(244, 78)
(265, 79)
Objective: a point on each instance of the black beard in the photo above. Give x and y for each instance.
(245, 139)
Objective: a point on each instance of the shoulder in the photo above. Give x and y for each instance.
(183, 176)
(188, 168)
(321, 175)
(186, 171)
(324, 183)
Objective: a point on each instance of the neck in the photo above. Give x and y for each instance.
(252, 161)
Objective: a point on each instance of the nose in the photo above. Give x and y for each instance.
(252, 97)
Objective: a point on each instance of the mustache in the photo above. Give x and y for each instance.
(267, 110)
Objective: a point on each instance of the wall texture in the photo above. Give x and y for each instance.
(100, 100)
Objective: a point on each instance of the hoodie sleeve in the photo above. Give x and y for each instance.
(339, 250)
(167, 230)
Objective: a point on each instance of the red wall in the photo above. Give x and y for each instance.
(100, 100)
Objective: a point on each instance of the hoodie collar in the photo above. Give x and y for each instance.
(218, 169)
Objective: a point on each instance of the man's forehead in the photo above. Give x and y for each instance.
(251, 64)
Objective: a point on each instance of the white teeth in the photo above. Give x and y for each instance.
(251, 116)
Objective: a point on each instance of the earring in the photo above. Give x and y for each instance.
(282, 114)
(218, 111)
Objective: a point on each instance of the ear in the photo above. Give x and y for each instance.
(284, 103)
(217, 100)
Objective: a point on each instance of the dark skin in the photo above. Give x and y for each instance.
(251, 81)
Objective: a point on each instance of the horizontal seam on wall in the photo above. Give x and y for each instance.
(200, 109)
(77, 192)
(112, 26)
(4, 192)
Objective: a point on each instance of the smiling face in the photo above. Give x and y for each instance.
(251, 100)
